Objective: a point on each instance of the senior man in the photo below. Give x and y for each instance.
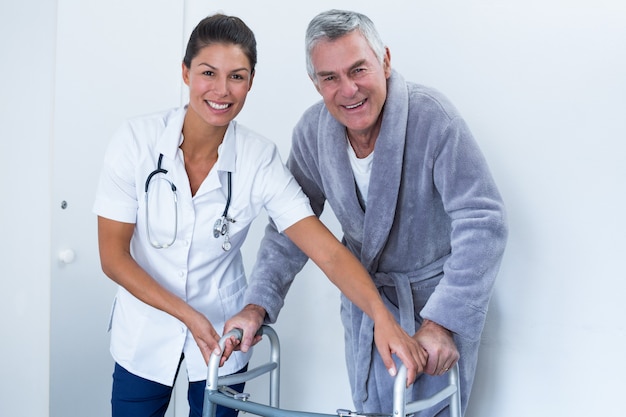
(416, 203)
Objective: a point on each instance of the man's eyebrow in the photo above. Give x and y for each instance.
(357, 64)
(324, 73)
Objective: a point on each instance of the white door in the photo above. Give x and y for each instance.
(115, 59)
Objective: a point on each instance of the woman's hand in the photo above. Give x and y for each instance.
(390, 339)
(204, 334)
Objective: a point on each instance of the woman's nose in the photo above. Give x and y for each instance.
(220, 86)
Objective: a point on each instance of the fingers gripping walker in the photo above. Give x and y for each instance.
(218, 393)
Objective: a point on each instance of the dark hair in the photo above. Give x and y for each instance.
(220, 28)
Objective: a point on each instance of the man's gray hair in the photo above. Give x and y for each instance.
(333, 24)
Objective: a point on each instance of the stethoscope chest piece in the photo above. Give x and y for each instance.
(221, 225)
(221, 228)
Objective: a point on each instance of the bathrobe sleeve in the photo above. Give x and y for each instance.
(478, 232)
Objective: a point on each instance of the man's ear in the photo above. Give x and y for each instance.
(387, 62)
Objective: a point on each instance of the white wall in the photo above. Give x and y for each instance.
(542, 85)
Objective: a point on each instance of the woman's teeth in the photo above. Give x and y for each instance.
(217, 106)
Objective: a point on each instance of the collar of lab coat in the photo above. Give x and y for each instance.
(171, 140)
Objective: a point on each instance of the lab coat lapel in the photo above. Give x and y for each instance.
(168, 145)
(386, 173)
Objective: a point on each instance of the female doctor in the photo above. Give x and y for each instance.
(177, 194)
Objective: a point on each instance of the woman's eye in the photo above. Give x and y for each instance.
(208, 73)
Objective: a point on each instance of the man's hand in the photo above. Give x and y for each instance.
(438, 342)
(390, 339)
(249, 320)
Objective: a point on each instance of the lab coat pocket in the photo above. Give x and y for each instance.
(231, 296)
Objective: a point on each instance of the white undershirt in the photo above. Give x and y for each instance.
(361, 168)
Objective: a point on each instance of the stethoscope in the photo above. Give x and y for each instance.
(220, 228)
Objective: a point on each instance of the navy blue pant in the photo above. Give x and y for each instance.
(134, 396)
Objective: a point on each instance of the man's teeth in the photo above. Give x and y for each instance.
(354, 106)
(217, 106)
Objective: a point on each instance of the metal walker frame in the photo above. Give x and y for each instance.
(218, 393)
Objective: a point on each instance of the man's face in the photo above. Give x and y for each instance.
(352, 82)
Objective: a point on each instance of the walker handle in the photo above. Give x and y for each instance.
(452, 390)
(213, 382)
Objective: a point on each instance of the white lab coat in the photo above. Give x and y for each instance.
(147, 341)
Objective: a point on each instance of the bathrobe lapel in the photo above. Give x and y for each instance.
(386, 173)
(337, 177)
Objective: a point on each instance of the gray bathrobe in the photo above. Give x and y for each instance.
(432, 234)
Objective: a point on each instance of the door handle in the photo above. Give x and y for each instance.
(67, 256)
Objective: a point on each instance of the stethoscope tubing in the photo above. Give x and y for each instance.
(220, 227)
(159, 170)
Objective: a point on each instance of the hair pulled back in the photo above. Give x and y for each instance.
(219, 28)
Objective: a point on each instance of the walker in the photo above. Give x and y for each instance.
(217, 391)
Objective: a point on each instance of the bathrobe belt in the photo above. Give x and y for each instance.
(406, 310)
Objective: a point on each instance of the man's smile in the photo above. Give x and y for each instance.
(354, 106)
